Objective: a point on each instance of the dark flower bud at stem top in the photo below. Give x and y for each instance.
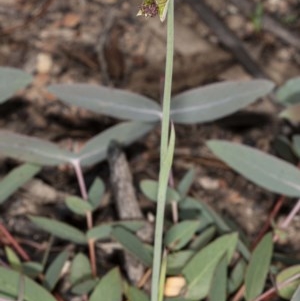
(149, 8)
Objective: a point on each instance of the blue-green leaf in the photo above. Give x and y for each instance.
(132, 244)
(200, 269)
(291, 113)
(150, 188)
(32, 269)
(125, 133)
(218, 289)
(80, 269)
(109, 288)
(104, 231)
(216, 100)
(203, 238)
(96, 192)
(284, 149)
(287, 291)
(186, 182)
(237, 276)
(60, 229)
(264, 170)
(258, 268)
(180, 234)
(296, 296)
(53, 272)
(13, 259)
(84, 286)
(134, 294)
(16, 179)
(33, 150)
(78, 205)
(110, 101)
(296, 144)
(11, 80)
(177, 260)
(289, 93)
(9, 285)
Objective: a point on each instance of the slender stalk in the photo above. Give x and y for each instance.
(272, 291)
(80, 179)
(168, 82)
(291, 216)
(89, 217)
(11, 240)
(161, 198)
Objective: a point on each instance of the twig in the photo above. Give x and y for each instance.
(267, 224)
(127, 204)
(272, 291)
(14, 243)
(291, 216)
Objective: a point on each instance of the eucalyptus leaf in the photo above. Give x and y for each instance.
(109, 101)
(16, 179)
(53, 272)
(109, 288)
(9, 285)
(78, 205)
(150, 189)
(200, 269)
(264, 170)
(216, 100)
(258, 268)
(96, 192)
(95, 150)
(287, 291)
(218, 289)
(11, 80)
(132, 244)
(180, 234)
(186, 182)
(60, 229)
(33, 150)
(289, 93)
(80, 269)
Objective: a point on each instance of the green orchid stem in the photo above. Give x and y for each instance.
(161, 201)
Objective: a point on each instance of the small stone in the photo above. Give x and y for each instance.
(174, 286)
(44, 63)
(209, 183)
